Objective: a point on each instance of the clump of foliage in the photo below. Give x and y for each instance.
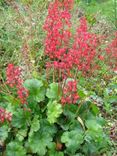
(57, 114)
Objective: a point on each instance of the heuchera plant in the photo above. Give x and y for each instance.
(111, 52)
(14, 79)
(55, 118)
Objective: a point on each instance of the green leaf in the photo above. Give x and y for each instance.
(70, 111)
(52, 150)
(35, 125)
(114, 85)
(79, 154)
(90, 148)
(20, 119)
(11, 108)
(96, 142)
(95, 109)
(3, 133)
(36, 89)
(72, 139)
(64, 124)
(46, 126)
(92, 124)
(54, 91)
(58, 154)
(85, 106)
(21, 134)
(40, 140)
(55, 153)
(81, 93)
(15, 149)
(112, 99)
(54, 111)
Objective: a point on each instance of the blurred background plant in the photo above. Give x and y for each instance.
(107, 8)
(21, 34)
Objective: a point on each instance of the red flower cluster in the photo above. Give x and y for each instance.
(84, 48)
(13, 76)
(22, 94)
(70, 94)
(5, 116)
(57, 44)
(14, 79)
(58, 27)
(111, 53)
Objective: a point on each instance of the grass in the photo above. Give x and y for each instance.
(104, 7)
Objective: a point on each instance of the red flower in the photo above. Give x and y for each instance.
(111, 53)
(70, 94)
(14, 79)
(22, 95)
(5, 116)
(13, 75)
(84, 47)
(101, 57)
